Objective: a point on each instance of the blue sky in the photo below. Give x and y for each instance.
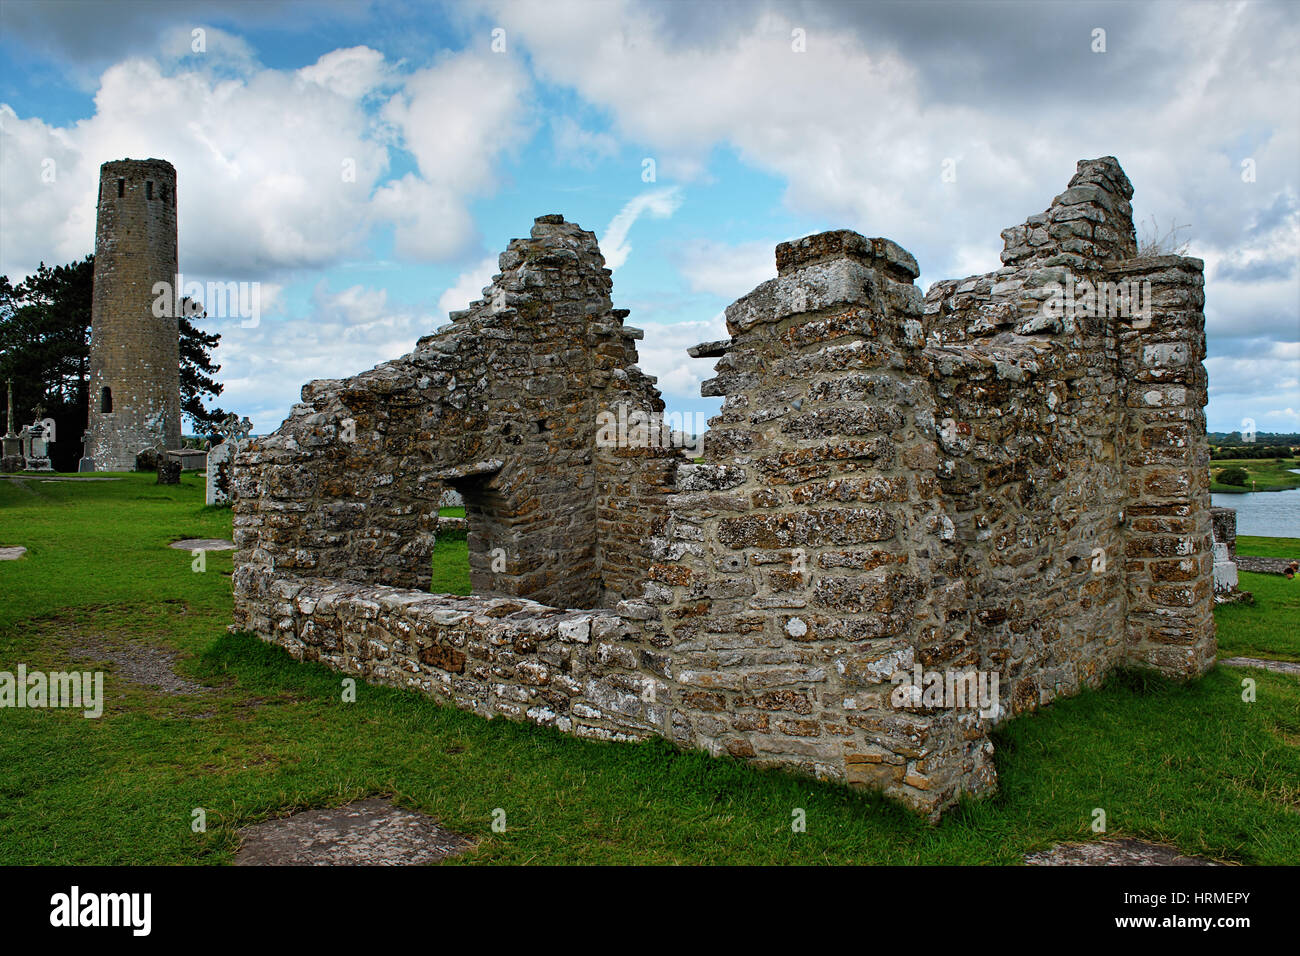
(457, 146)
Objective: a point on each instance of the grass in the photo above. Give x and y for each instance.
(1262, 547)
(1191, 765)
(1266, 474)
(450, 564)
(1269, 628)
(450, 558)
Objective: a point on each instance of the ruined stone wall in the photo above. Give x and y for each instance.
(134, 354)
(636, 467)
(1031, 427)
(1059, 382)
(1169, 540)
(500, 405)
(810, 558)
(993, 479)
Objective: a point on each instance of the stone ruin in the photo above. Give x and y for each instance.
(1224, 546)
(1005, 479)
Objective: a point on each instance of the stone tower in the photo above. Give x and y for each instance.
(134, 392)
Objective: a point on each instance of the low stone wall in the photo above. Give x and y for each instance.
(495, 656)
(1247, 562)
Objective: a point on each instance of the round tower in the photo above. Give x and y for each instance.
(134, 394)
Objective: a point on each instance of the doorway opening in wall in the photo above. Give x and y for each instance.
(451, 547)
(483, 508)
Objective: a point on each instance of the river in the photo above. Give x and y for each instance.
(1274, 514)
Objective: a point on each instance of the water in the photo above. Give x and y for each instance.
(1274, 514)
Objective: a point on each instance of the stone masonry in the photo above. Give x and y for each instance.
(1004, 477)
(134, 390)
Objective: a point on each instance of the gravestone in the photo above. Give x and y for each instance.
(191, 459)
(147, 459)
(219, 474)
(169, 471)
(12, 445)
(36, 444)
(221, 458)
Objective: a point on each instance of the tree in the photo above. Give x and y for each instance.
(197, 371)
(45, 349)
(1234, 476)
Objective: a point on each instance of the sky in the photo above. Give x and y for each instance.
(364, 163)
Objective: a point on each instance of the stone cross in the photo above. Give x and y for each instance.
(234, 429)
(9, 431)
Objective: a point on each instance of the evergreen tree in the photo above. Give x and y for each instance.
(197, 371)
(45, 349)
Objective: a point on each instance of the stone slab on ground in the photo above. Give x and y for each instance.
(12, 553)
(203, 544)
(1280, 667)
(1122, 852)
(370, 832)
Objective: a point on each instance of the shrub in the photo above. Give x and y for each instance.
(1233, 476)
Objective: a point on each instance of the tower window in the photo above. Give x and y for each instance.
(105, 399)
(121, 188)
(148, 189)
(162, 194)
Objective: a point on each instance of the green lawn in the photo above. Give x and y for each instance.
(1192, 765)
(1266, 473)
(1269, 628)
(1262, 547)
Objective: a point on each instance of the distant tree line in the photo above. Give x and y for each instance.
(1278, 452)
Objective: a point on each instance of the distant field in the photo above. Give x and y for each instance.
(1266, 473)
(1262, 547)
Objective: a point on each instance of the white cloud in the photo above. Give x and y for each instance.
(468, 287)
(663, 353)
(351, 73)
(660, 203)
(580, 147)
(255, 193)
(455, 117)
(726, 270)
(261, 188)
(344, 332)
(858, 127)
